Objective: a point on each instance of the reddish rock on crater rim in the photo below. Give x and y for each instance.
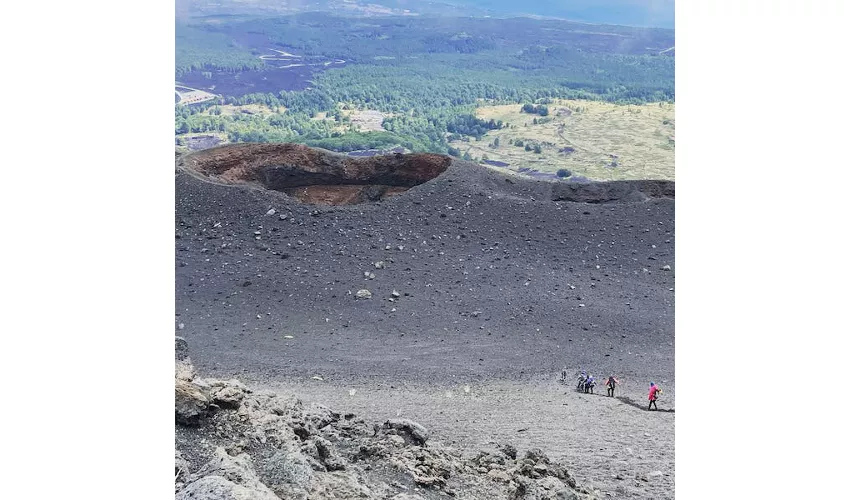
(315, 175)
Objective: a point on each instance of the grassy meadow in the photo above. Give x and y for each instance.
(608, 141)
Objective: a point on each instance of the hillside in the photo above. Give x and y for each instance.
(415, 82)
(474, 278)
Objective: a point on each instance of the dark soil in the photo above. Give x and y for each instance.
(270, 79)
(495, 281)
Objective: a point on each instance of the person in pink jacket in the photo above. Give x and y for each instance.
(654, 391)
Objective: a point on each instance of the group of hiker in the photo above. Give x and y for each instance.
(586, 383)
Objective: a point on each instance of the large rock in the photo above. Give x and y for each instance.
(288, 473)
(191, 404)
(226, 393)
(226, 478)
(227, 397)
(184, 370)
(416, 431)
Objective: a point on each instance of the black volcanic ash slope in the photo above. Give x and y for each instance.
(494, 280)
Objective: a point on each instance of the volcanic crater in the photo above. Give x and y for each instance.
(563, 260)
(316, 176)
(482, 286)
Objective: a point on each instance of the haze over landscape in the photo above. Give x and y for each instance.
(646, 13)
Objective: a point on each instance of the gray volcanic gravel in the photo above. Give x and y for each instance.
(494, 280)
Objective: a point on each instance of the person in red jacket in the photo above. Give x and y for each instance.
(654, 391)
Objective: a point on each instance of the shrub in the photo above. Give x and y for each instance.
(564, 173)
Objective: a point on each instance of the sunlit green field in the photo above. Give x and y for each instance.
(610, 141)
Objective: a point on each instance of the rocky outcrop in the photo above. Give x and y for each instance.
(234, 444)
(190, 403)
(226, 478)
(613, 191)
(315, 175)
(195, 398)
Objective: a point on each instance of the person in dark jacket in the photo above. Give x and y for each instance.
(611, 383)
(589, 384)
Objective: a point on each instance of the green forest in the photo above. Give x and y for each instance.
(427, 74)
(197, 48)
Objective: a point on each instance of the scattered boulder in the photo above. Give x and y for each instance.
(363, 294)
(228, 396)
(417, 432)
(221, 393)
